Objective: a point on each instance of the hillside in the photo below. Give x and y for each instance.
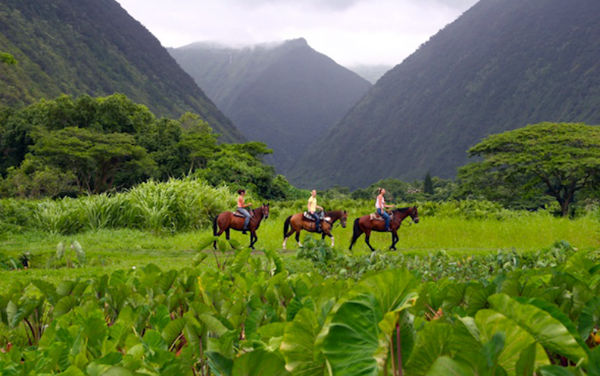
(286, 95)
(502, 65)
(94, 47)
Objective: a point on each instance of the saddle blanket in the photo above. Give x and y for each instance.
(375, 217)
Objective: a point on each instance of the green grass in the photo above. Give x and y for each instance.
(114, 249)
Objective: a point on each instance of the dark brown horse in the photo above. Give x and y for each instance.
(366, 224)
(226, 221)
(298, 224)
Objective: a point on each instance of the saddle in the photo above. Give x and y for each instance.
(309, 218)
(238, 214)
(375, 217)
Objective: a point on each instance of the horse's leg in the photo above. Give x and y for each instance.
(253, 238)
(218, 229)
(298, 237)
(367, 237)
(395, 239)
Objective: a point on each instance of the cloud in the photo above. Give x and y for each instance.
(349, 31)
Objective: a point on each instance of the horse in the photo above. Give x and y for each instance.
(366, 224)
(298, 224)
(227, 220)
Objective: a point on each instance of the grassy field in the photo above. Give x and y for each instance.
(114, 249)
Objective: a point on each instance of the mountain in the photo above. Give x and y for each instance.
(94, 47)
(502, 65)
(285, 94)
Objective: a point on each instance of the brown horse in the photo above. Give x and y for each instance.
(226, 221)
(366, 224)
(298, 224)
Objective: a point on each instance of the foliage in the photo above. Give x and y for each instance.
(252, 315)
(62, 252)
(561, 158)
(397, 190)
(241, 166)
(114, 54)
(68, 146)
(177, 205)
(7, 58)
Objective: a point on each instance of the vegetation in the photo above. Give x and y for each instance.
(286, 95)
(7, 58)
(114, 53)
(558, 160)
(67, 147)
(469, 281)
(410, 316)
(498, 67)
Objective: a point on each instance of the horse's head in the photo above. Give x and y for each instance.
(414, 213)
(344, 218)
(265, 210)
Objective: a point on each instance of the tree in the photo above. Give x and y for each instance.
(428, 184)
(561, 158)
(94, 158)
(7, 58)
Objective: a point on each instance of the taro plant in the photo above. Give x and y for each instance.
(73, 256)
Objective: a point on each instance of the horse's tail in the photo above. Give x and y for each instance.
(215, 225)
(286, 226)
(356, 231)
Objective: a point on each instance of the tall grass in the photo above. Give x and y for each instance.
(177, 205)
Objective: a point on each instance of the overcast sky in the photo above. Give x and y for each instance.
(349, 31)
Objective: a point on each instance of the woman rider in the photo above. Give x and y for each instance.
(380, 205)
(241, 208)
(312, 209)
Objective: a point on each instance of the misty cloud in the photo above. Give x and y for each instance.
(349, 31)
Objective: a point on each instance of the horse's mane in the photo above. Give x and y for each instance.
(402, 210)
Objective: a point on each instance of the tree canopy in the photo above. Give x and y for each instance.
(91, 145)
(556, 159)
(7, 58)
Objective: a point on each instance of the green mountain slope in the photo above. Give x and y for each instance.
(94, 47)
(502, 65)
(286, 95)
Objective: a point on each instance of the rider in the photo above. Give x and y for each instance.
(242, 209)
(312, 208)
(380, 205)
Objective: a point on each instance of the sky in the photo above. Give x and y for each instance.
(351, 32)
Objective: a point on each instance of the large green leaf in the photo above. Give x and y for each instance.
(589, 317)
(393, 290)
(446, 366)
(173, 330)
(352, 345)
(298, 347)
(545, 329)
(526, 363)
(490, 322)
(354, 342)
(558, 315)
(433, 342)
(259, 363)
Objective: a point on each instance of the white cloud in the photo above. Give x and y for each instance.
(349, 31)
